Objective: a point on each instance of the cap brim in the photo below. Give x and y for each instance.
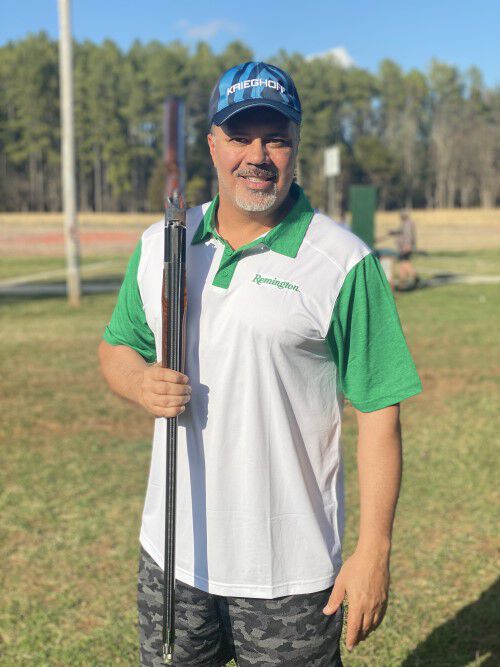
(224, 114)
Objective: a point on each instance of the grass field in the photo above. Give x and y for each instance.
(74, 469)
(53, 268)
(430, 216)
(46, 269)
(447, 229)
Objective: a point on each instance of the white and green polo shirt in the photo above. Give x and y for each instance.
(278, 332)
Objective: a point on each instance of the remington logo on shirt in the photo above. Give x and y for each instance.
(275, 282)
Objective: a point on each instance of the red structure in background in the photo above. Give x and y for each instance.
(174, 145)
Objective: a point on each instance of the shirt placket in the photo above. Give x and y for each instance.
(229, 261)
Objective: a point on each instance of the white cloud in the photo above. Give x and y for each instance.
(209, 30)
(338, 53)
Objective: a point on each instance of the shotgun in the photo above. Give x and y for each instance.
(173, 339)
(173, 307)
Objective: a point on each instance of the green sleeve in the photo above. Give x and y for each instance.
(375, 368)
(128, 325)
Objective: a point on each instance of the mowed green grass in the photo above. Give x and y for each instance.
(483, 262)
(74, 469)
(12, 268)
(480, 262)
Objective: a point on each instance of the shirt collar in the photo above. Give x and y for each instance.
(286, 238)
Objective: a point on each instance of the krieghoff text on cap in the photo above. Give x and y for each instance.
(253, 84)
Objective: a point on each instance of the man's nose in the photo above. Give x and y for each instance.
(256, 152)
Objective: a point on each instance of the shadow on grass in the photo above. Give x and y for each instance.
(443, 279)
(454, 254)
(471, 634)
(437, 280)
(28, 291)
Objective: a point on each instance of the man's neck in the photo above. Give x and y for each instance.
(239, 227)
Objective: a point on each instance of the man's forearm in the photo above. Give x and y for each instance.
(364, 576)
(123, 369)
(379, 473)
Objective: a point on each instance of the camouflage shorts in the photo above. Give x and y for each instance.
(212, 629)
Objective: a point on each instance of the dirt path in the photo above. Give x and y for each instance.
(32, 241)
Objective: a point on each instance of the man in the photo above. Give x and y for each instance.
(287, 312)
(406, 244)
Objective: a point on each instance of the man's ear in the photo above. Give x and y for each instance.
(211, 146)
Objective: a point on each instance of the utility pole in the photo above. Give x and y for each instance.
(332, 170)
(72, 244)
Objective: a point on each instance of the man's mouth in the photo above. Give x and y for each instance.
(255, 181)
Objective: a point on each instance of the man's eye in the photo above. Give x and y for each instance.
(277, 141)
(238, 140)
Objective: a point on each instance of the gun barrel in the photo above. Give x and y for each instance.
(173, 352)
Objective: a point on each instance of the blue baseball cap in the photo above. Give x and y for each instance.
(253, 84)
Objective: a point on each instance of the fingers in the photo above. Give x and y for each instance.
(367, 626)
(163, 405)
(167, 412)
(354, 625)
(360, 625)
(167, 375)
(336, 598)
(168, 406)
(163, 401)
(164, 392)
(366, 584)
(378, 615)
(171, 388)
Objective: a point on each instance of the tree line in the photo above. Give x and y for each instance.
(425, 139)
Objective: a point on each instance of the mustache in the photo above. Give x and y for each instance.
(258, 173)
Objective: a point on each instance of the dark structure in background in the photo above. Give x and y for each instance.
(363, 204)
(174, 144)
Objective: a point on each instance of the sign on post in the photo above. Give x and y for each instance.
(332, 170)
(332, 161)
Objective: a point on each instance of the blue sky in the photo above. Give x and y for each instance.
(411, 33)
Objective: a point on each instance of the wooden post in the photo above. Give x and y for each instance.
(72, 244)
